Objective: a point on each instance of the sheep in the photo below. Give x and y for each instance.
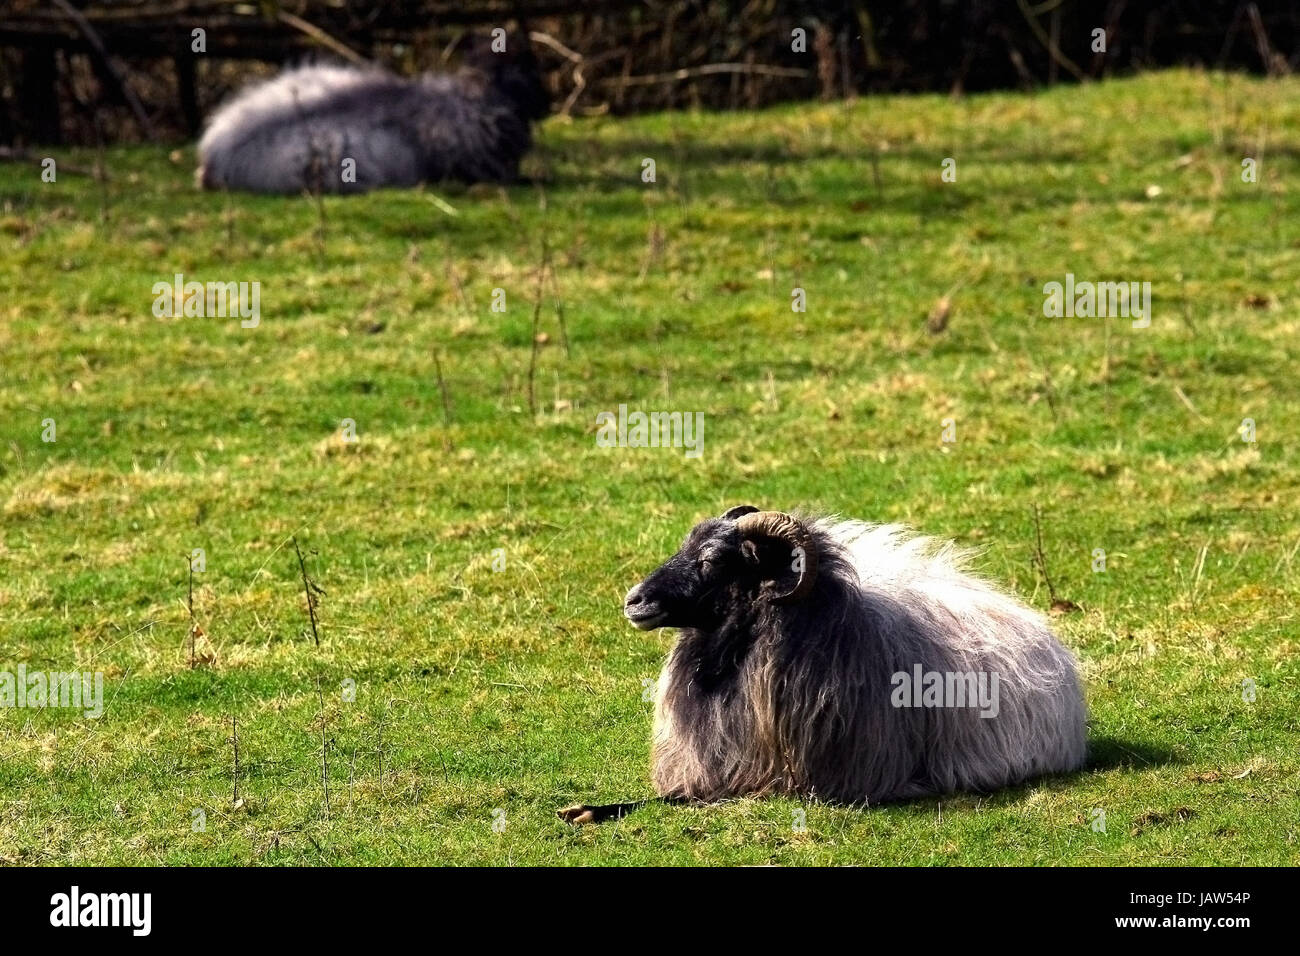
(800, 646)
(296, 131)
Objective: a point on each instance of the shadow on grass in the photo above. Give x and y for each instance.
(1104, 753)
(1111, 753)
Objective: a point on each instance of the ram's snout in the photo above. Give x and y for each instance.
(642, 610)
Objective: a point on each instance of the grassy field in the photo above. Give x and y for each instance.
(489, 696)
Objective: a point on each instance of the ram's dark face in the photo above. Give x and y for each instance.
(514, 70)
(720, 563)
(690, 589)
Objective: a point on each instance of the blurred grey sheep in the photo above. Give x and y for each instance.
(294, 132)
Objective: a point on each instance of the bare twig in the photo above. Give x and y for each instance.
(1053, 50)
(536, 36)
(324, 751)
(537, 311)
(459, 288)
(323, 38)
(1038, 554)
(1197, 570)
(1274, 63)
(709, 69)
(442, 389)
(654, 246)
(575, 58)
(1059, 605)
(537, 345)
(191, 606)
(1049, 392)
(314, 178)
(310, 589)
(234, 739)
(558, 301)
(101, 54)
(352, 777)
(1187, 402)
(379, 747)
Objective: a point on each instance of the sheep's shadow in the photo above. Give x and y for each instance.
(1112, 753)
(1104, 753)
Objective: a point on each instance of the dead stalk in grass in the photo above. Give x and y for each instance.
(234, 773)
(311, 590)
(324, 751)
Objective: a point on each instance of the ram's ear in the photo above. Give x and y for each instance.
(739, 511)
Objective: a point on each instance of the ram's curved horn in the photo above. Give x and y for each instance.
(738, 511)
(782, 527)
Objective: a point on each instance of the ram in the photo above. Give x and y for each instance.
(343, 129)
(804, 665)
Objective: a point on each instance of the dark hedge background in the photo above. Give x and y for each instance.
(74, 71)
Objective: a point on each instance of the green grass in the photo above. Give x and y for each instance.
(521, 690)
